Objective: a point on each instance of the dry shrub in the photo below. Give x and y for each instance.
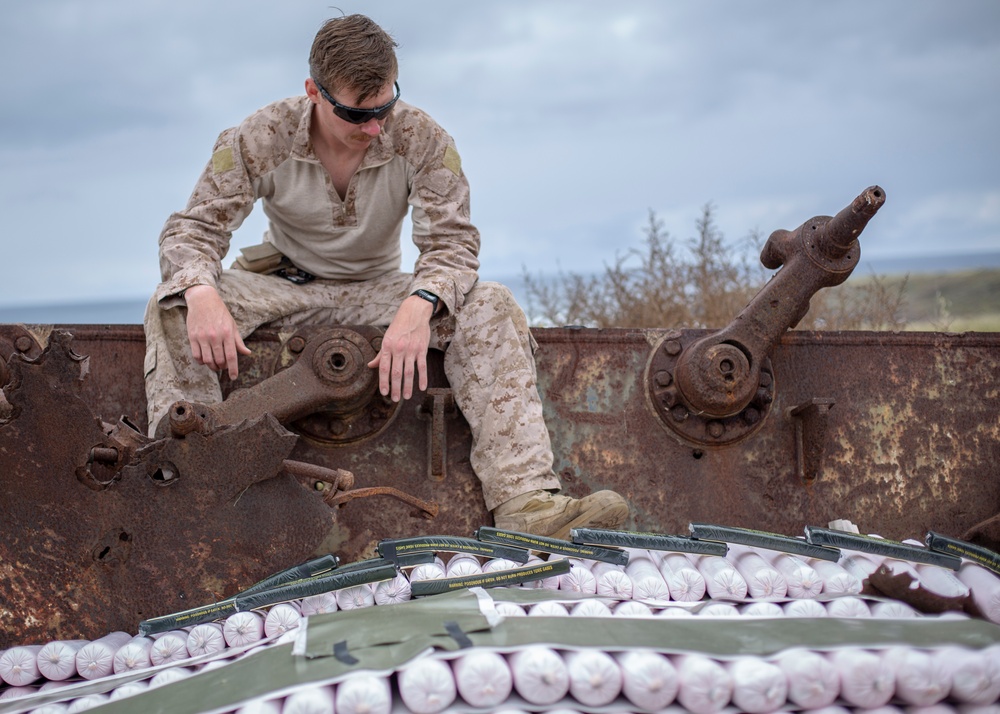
(705, 286)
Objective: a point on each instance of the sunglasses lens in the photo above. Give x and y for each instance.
(360, 116)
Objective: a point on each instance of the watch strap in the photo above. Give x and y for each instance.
(430, 297)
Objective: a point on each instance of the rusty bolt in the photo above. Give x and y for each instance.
(765, 379)
(716, 429)
(105, 454)
(751, 416)
(377, 343)
(23, 343)
(679, 413)
(672, 347)
(296, 345)
(764, 396)
(663, 378)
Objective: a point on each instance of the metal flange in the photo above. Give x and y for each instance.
(675, 412)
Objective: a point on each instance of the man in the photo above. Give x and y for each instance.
(336, 172)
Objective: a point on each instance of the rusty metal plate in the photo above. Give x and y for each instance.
(85, 550)
(912, 444)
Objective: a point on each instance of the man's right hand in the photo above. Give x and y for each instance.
(212, 332)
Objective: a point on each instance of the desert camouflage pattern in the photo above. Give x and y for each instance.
(412, 166)
(352, 245)
(488, 360)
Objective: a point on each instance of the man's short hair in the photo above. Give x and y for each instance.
(353, 53)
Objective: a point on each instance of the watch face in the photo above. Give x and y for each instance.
(428, 296)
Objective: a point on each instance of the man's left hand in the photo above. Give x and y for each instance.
(404, 349)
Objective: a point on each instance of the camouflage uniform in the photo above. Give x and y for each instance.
(353, 247)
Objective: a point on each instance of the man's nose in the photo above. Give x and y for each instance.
(372, 127)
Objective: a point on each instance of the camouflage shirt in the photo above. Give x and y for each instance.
(412, 163)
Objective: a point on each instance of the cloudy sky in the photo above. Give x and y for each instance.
(574, 120)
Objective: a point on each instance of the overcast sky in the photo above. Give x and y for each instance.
(574, 119)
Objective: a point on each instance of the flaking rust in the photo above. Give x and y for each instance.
(104, 527)
(89, 547)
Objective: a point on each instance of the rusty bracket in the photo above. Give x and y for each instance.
(319, 478)
(438, 404)
(810, 419)
(330, 367)
(429, 508)
(719, 377)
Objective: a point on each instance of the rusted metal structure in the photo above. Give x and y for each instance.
(751, 426)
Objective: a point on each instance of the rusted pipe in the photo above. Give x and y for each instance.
(337, 479)
(429, 508)
(719, 375)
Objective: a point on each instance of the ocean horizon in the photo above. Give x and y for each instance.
(127, 311)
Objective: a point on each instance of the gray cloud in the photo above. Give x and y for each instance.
(574, 119)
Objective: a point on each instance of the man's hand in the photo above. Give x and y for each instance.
(215, 340)
(404, 349)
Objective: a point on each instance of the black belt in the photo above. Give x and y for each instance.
(294, 275)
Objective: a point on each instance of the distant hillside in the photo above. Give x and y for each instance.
(960, 301)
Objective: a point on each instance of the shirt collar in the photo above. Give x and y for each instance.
(379, 152)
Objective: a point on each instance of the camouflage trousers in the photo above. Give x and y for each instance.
(488, 360)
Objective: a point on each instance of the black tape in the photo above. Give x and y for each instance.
(648, 541)
(308, 569)
(393, 549)
(970, 551)
(342, 655)
(881, 546)
(188, 618)
(552, 545)
(335, 580)
(499, 578)
(764, 539)
(456, 633)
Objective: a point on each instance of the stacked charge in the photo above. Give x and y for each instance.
(747, 582)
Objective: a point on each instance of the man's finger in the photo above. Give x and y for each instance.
(218, 356)
(422, 370)
(408, 378)
(384, 364)
(397, 378)
(232, 361)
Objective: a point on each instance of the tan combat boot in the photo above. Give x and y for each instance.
(544, 514)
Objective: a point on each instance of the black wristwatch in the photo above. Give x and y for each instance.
(429, 297)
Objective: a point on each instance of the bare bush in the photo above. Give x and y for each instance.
(706, 286)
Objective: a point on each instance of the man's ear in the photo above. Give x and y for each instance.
(312, 91)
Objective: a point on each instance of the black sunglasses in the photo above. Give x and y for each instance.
(355, 115)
